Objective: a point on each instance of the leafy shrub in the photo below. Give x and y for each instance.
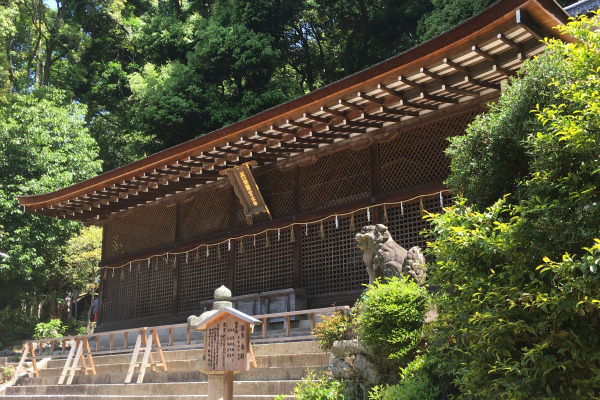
(390, 322)
(51, 329)
(15, 324)
(75, 327)
(319, 386)
(416, 388)
(8, 371)
(338, 326)
(519, 314)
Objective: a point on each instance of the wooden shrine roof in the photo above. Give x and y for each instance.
(460, 66)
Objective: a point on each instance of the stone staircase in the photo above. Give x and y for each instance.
(280, 367)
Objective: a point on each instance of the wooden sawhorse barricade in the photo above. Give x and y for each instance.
(76, 354)
(150, 343)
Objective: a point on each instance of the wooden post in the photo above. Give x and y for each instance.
(297, 247)
(177, 269)
(228, 385)
(233, 202)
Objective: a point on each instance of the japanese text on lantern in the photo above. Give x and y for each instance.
(226, 345)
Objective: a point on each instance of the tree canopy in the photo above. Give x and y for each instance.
(44, 146)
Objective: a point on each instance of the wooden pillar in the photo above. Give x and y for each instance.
(375, 175)
(296, 202)
(101, 283)
(233, 201)
(177, 269)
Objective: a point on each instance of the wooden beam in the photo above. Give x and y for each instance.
(482, 83)
(401, 96)
(345, 130)
(299, 124)
(228, 151)
(330, 135)
(279, 129)
(464, 92)
(351, 105)
(372, 99)
(440, 99)
(456, 66)
(245, 146)
(332, 111)
(267, 135)
(395, 111)
(410, 83)
(514, 45)
(296, 145)
(363, 124)
(255, 140)
(314, 140)
(483, 54)
(317, 118)
(381, 118)
(532, 26)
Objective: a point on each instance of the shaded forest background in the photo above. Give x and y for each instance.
(90, 85)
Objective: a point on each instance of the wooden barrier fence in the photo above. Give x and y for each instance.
(148, 336)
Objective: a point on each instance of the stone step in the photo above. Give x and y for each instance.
(263, 361)
(301, 347)
(248, 388)
(265, 374)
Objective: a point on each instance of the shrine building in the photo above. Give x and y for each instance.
(366, 149)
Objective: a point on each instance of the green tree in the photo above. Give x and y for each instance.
(82, 256)
(519, 309)
(44, 146)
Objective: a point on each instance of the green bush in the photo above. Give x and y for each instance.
(75, 327)
(390, 322)
(319, 386)
(519, 310)
(417, 388)
(8, 371)
(340, 325)
(15, 324)
(51, 329)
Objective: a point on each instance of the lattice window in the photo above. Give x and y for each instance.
(144, 229)
(200, 275)
(416, 156)
(206, 212)
(277, 189)
(155, 287)
(333, 264)
(406, 227)
(336, 179)
(118, 302)
(260, 268)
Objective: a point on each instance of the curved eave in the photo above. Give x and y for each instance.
(358, 104)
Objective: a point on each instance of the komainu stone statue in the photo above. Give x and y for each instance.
(386, 258)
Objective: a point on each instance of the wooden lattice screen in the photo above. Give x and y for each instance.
(145, 229)
(119, 296)
(332, 264)
(205, 213)
(259, 268)
(201, 273)
(155, 287)
(406, 222)
(335, 179)
(416, 156)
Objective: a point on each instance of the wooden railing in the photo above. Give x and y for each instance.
(82, 351)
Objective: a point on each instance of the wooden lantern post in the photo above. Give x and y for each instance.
(227, 347)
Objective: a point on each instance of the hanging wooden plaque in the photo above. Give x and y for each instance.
(246, 190)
